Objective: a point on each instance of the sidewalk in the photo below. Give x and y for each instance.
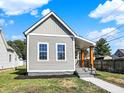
(105, 85)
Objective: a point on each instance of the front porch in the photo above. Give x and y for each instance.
(84, 62)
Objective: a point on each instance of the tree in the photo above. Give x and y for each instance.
(102, 48)
(20, 48)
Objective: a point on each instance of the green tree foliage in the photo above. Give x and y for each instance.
(102, 48)
(19, 46)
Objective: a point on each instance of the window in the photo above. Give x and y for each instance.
(15, 58)
(9, 57)
(60, 52)
(43, 51)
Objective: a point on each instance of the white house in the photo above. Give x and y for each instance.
(8, 57)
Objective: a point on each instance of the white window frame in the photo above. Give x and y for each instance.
(39, 51)
(57, 51)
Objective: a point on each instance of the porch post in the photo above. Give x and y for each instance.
(82, 57)
(91, 56)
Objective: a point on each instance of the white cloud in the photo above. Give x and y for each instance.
(45, 11)
(34, 12)
(109, 11)
(18, 7)
(96, 35)
(109, 33)
(16, 37)
(117, 44)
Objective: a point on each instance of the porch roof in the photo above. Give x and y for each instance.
(83, 43)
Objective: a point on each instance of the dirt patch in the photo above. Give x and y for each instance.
(5, 70)
(116, 80)
(29, 89)
(68, 83)
(42, 89)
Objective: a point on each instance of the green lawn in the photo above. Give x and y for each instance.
(114, 78)
(15, 82)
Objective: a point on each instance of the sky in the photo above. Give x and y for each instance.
(91, 19)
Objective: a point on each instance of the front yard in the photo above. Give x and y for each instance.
(12, 81)
(114, 78)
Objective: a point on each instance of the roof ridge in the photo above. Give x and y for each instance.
(4, 40)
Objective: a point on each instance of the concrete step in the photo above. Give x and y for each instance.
(88, 71)
(81, 76)
(91, 73)
(85, 72)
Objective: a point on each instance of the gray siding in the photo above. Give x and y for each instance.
(52, 64)
(51, 26)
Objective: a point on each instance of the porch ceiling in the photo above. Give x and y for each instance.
(83, 43)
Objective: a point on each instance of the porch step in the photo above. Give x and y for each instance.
(81, 72)
(85, 75)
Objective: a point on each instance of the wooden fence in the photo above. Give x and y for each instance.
(111, 65)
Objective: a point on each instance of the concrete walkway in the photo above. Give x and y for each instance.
(105, 85)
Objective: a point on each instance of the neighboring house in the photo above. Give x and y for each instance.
(8, 57)
(51, 47)
(113, 63)
(118, 54)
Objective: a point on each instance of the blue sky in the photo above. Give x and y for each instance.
(88, 18)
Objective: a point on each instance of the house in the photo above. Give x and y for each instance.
(8, 57)
(112, 63)
(52, 46)
(119, 54)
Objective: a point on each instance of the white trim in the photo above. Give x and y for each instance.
(27, 52)
(49, 70)
(53, 35)
(78, 37)
(39, 60)
(74, 51)
(43, 19)
(57, 51)
(69, 29)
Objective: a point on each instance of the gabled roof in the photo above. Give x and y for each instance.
(44, 18)
(80, 39)
(119, 53)
(5, 43)
(121, 50)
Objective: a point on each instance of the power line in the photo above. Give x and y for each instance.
(107, 16)
(116, 38)
(113, 11)
(115, 34)
(109, 32)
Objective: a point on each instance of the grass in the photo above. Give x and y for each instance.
(114, 78)
(12, 81)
